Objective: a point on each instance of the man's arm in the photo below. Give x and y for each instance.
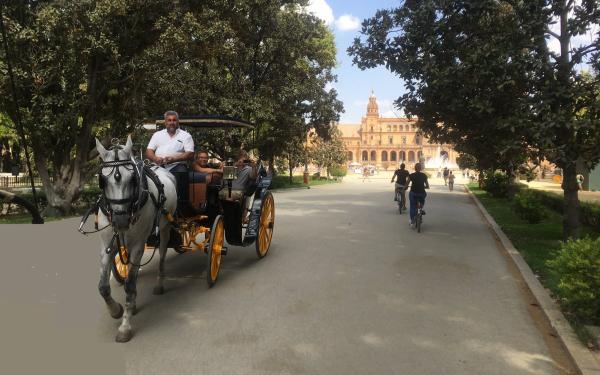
(181, 156)
(426, 183)
(152, 157)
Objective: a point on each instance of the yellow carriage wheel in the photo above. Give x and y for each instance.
(120, 269)
(215, 245)
(265, 225)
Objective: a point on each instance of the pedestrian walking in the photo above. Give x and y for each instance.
(451, 181)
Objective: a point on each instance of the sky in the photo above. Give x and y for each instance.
(354, 86)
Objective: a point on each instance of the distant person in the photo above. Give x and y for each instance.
(580, 180)
(451, 181)
(446, 174)
(365, 173)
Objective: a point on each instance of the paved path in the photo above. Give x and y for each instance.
(347, 288)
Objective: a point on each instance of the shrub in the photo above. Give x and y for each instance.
(577, 267)
(338, 171)
(529, 207)
(496, 184)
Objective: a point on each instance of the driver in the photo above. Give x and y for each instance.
(170, 148)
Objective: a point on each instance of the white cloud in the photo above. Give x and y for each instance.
(347, 22)
(321, 10)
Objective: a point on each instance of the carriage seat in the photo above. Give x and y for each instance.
(197, 190)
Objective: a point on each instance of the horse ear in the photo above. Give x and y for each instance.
(101, 149)
(128, 145)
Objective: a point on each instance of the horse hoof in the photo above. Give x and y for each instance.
(119, 313)
(124, 336)
(158, 290)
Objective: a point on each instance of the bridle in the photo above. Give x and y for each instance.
(136, 200)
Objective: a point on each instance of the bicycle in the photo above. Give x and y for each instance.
(419, 217)
(401, 199)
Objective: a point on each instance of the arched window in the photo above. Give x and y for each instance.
(393, 156)
(389, 128)
(402, 155)
(365, 156)
(411, 156)
(384, 156)
(373, 156)
(350, 158)
(395, 127)
(418, 139)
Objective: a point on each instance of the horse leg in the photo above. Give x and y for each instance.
(165, 232)
(125, 332)
(114, 308)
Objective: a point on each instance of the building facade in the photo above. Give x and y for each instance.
(387, 142)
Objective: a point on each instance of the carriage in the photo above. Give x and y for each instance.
(214, 212)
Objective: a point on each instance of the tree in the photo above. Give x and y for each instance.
(99, 67)
(479, 75)
(328, 153)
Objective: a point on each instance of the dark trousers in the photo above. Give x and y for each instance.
(180, 172)
(414, 198)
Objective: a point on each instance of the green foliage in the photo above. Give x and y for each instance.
(577, 266)
(479, 74)
(466, 161)
(99, 67)
(496, 184)
(328, 153)
(338, 170)
(527, 172)
(529, 207)
(589, 212)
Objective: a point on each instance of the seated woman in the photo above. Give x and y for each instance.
(203, 172)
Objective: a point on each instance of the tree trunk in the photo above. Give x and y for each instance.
(61, 192)
(291, 168)
(272, 166)
(512, 182)
(571, 224)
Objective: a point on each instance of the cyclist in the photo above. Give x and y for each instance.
(401, 176)
(418, 183)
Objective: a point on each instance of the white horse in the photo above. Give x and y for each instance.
(132, 218)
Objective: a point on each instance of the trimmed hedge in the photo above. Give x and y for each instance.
(577, 266)
(529, 207)
(589, 213)
(496, 184)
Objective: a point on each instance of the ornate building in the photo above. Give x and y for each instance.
(386, 142)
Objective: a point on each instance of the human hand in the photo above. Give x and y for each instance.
(159, 160)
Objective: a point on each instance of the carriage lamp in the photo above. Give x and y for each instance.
(229, 172)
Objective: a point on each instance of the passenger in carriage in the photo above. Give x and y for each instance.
(246, 177)
(171, 148)
(246, 172)
(203, 171)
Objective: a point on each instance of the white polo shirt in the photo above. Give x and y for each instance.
(164, 145)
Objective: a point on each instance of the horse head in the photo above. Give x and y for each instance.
(119, 181)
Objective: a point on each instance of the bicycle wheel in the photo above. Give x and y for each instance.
(419, 219)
